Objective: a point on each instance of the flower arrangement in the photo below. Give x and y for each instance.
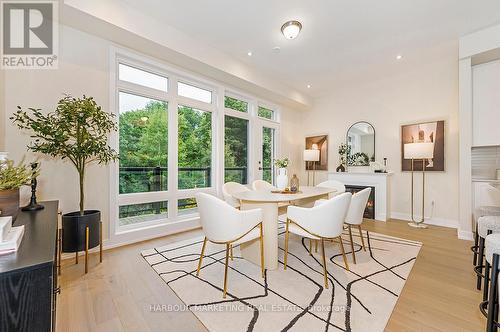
(343, 152)
(282, 163)
(12, 176)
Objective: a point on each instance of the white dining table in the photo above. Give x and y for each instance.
(268, 202)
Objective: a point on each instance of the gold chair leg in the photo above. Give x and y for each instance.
(262, 250)
(343, 253)
(315, 245)
(310, 247)
(225, 271)
(352, 244)
(86, 249)
(201, 256)
(325, 274)
(231, 251)
(286, 243)
(361, 236)
(100, 242)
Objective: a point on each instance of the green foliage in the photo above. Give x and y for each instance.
(344, 150)
(77, 130)
(235, 104)
(359, 159)
(267, 153)
(194, 147)
(236, 149)
(265, 113)
(144, 143)
(14, 177)
(282, 163)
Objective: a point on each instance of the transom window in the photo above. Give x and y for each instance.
(266, 113)
(141, 77)
(193, 92)
(235, 104)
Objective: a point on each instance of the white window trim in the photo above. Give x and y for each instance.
(174, 222)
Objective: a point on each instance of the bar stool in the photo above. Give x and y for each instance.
(482, 211)
(485, 226)
(489, 306)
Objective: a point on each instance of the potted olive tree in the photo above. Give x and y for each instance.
(12, 178)
(76, 131)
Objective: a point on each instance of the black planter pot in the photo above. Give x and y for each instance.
(73, 230)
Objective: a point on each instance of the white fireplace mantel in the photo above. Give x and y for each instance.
(380, 181)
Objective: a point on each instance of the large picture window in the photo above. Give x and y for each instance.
(143, 130)
(235, 150)
(195, 148)
(177, 137)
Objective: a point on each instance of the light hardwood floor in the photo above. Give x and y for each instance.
(117, 295)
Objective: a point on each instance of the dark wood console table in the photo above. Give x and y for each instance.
(28, 278)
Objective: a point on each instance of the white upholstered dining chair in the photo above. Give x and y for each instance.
(355, 216)
(223, 224)
(262, 185)
(230, 188)
(322, 222)
(337, 185)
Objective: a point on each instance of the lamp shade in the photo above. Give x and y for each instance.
(311, 155)
(419, 151)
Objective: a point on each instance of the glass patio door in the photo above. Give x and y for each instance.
(266, 151)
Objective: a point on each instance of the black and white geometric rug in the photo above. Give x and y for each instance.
(361, 299)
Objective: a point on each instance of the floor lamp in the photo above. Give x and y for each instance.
(421, 151)
(311, 155)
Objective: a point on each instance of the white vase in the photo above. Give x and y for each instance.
(282, 179)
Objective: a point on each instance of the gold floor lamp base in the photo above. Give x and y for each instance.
(413, 223)
(417, 225)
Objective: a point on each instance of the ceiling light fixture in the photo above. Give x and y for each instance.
(309, 86)
(249, 53)
(291, 29)
(399, 57)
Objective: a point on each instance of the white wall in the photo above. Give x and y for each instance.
(2, 110)
(426, 90)
(83, 69)
(485, 104)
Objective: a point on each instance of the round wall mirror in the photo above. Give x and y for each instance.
(360, 142)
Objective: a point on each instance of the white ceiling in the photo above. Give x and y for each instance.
(340, 40)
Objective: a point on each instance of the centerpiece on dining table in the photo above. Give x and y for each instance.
(282, 178)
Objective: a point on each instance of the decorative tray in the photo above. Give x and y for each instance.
(288, 192)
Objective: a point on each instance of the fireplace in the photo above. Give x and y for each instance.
(370, 205)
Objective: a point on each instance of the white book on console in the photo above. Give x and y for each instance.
(13, 239)
(5, 226)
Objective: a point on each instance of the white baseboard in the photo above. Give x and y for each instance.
(450, 223)
(110, 244)
(465, 235)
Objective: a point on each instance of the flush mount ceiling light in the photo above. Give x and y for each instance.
(291, 29)
(399, 57)
(249, 53)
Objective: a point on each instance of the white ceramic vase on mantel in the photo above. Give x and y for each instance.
(282, 178)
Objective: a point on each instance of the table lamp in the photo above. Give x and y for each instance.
(424, 151)
(311, 155)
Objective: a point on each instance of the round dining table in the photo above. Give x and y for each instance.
(268, 202)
